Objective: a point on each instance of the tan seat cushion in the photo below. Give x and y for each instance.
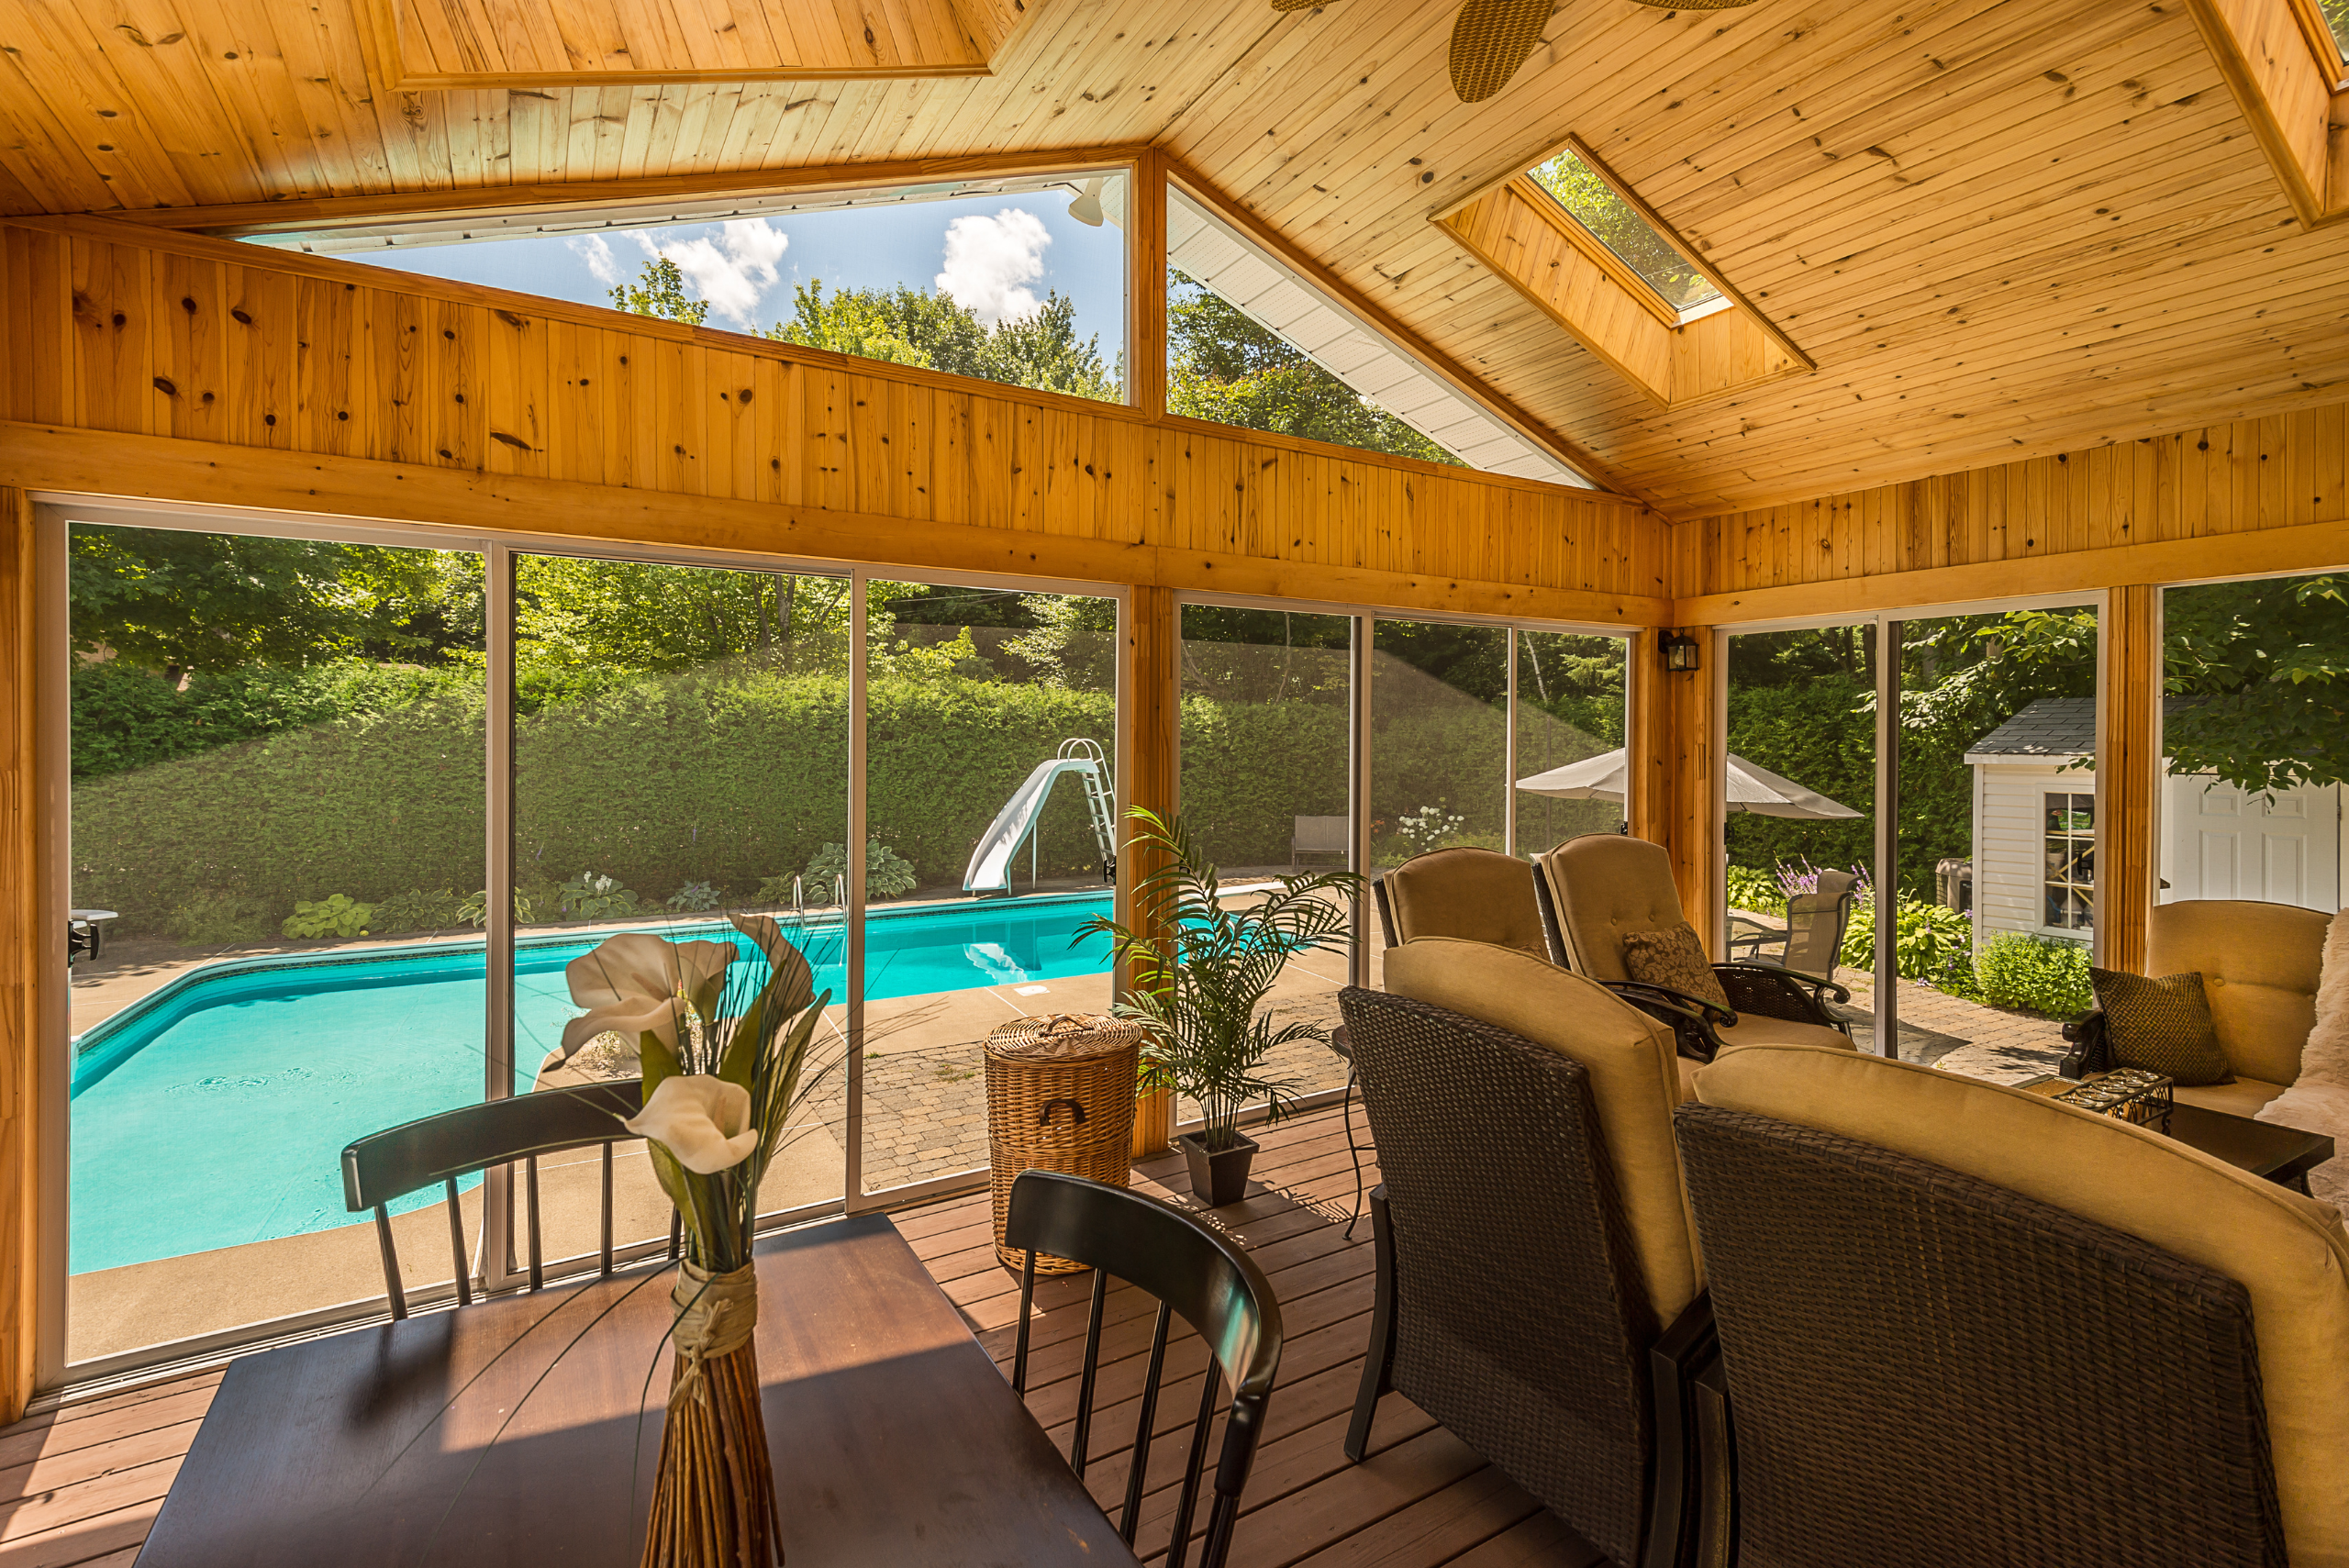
(1481, 895)
(1604, 885)
(2259, 964)
(1633, 1081)
(2244, 1096)
(2289, 1252)
(1755, 1029)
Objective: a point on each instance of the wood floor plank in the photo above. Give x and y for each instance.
(80, 1485)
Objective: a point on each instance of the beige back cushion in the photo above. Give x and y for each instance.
(1633, 1081)
(2289, 1252)
(2258, 965)
(1605, 884)
(1479, 896)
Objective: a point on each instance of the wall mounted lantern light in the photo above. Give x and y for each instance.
(1679, 652)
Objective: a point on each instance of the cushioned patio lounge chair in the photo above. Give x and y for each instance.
(1537, 1290)
(2259, 964)
(1479, 896)
(1962, 1324)
(1593, 889)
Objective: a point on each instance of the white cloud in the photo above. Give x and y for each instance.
(597, 253)
(733, 272)
(990, 261)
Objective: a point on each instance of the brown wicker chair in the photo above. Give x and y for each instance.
(1962, 1324)
(1532, 1239)
(1593, 889)
(1478, 896)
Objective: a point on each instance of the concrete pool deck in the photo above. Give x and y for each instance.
(925, 1117)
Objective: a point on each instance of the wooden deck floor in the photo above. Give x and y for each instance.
(81, 1485)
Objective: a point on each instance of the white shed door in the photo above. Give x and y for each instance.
(2280, 849)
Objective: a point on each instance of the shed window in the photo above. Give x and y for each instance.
(2071, 862)
(1599, 207)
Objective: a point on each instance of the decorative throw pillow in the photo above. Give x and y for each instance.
(1674, 958)
(2162, 1026)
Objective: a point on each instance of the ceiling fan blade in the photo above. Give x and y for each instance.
(1693, 4)
(1299, 5)
(1490, 38)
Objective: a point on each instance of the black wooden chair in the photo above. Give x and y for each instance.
(387, 1165)
(1195, 1274)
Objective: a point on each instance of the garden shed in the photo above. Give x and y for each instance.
(2034, 830)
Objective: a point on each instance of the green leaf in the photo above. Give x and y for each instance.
(660, 1061)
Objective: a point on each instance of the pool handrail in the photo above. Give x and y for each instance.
(390, 1165)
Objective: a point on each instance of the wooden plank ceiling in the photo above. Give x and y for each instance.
(2001, 230)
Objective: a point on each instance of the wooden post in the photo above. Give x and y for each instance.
(1149, 707)
(2129, 775)
(1146, 284)
(21, 939)
(1670, 767)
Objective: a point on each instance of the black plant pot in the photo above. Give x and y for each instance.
(1219, 1178)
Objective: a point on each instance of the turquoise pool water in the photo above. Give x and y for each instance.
(215, 1111)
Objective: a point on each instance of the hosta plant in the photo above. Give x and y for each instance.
(338, 916)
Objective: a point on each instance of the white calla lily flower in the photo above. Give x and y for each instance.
(636, 984)
(703, 1120)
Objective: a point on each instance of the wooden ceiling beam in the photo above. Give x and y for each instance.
(1455, 374)
(244, 219)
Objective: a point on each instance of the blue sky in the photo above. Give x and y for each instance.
(997, 254)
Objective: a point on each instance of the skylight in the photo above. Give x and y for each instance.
(2336, 17)
(1601, 208)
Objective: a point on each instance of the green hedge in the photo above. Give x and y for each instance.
(1815, 734)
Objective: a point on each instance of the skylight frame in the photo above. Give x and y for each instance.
(1623, 267)
(2323, 42)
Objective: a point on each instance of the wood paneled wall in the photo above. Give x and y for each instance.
(2251, 496)
(594, 423)
(1672, 777)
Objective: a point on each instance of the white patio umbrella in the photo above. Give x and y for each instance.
(1753, 789)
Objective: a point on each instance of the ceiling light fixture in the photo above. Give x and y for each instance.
(1086, 208)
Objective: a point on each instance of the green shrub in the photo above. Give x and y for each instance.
(474, 909)
(1928, 940)
(434, 910)
(2036, 975)
(886, 872)
(337, 915)
(1759, 891)
(694, 898)
(210, 918)
(589, 896)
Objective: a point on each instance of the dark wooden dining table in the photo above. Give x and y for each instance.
(525, 1431)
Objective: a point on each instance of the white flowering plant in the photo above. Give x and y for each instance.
(725, 1039)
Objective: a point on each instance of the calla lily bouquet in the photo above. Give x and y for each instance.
(724, 1042)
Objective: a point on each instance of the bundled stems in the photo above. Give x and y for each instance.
(713, 1504)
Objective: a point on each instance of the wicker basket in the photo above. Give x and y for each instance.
(1060, 1097)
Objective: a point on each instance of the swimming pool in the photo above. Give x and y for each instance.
(215, 1111)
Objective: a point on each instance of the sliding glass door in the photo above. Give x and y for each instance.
(991, 840)
(277, 808)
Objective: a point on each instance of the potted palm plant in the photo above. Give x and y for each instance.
(1197, 975)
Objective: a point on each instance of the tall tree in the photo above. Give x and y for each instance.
(2267, 668)
(660, 290)
(174, 601)
(908, 326)
(1223, 367)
